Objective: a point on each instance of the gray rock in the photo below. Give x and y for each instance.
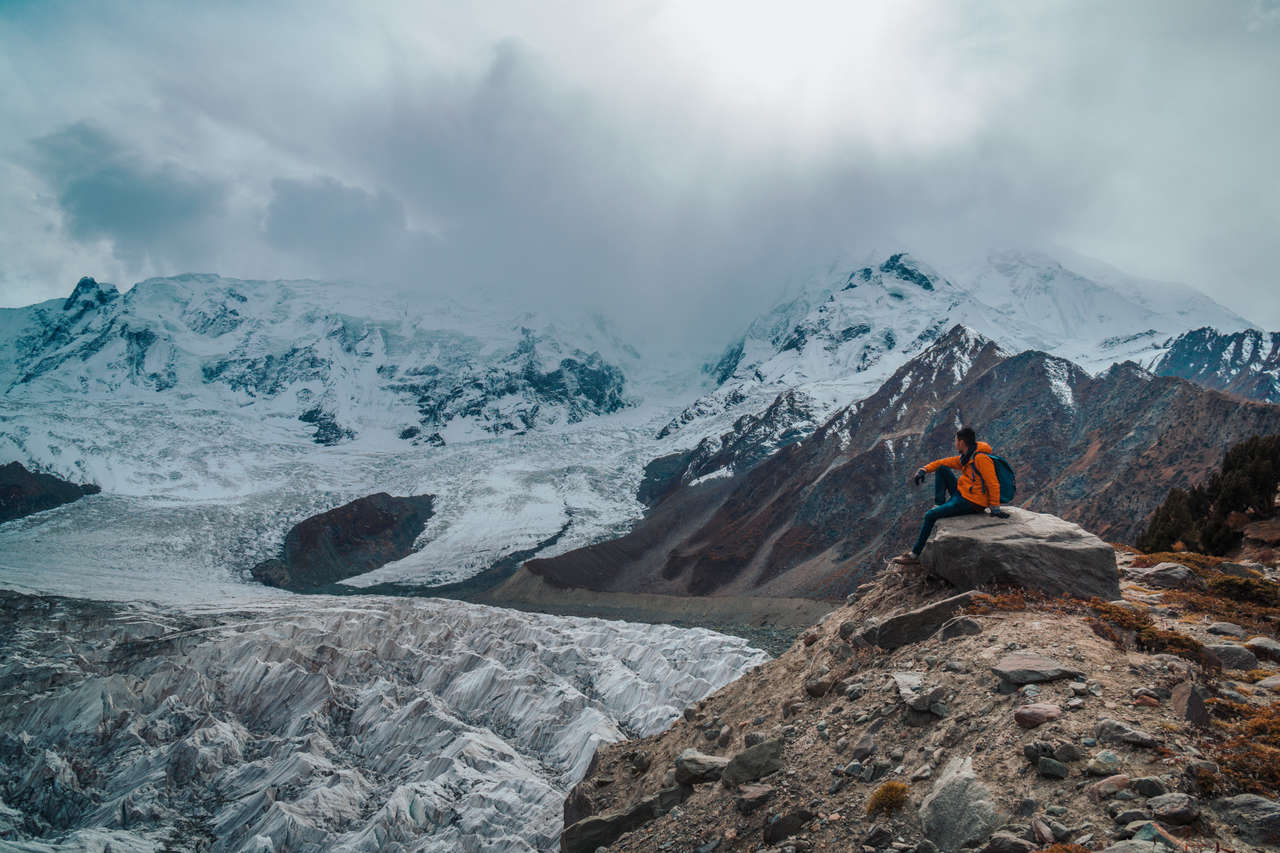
(960, 626)
(913, 626)
(1032, 550)
(1233, 656)
(784, 826)
(752, 763)
(959, 811)
(1188, 702)
(1169, 576)
(596, 831)
(694, 768)
(1255, 819)
(1027, 668)
(1007, 842)
(751, 797)
(1226, 629)
(1052, 768)
(753, 738)
(1150, 786)
(1114, 731)
(1177, 809)
(1264, 648)
(1134, 847)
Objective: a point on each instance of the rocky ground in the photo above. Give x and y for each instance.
(1020, 724)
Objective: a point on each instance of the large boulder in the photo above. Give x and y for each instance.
(959, 811)
(1031, 550)
(1256, 819)
(752, 763)
(912, 626)
(350, 540)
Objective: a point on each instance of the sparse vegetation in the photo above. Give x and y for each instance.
(1112, 622)
(1249, 756)
(887, 799)
(1198, 517)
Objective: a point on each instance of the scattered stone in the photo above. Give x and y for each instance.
(1264, 648)
(751, 797)
(1169, 576)
(1128, 815)
(914, 625)
(695, 768)
(879, 835)
(1007, 842)
(726, 736)
(1109, 787)
(1031, 550)
(959, 810)
(1052, 768)
(960, 626)
(1177, 809)
(1076, 704)
(1079, 688)
(752, 763)
(1271, 682)
(1255, 819)
(780, 827)
(753, 738)
(1114, 731)
(866, 746)
(1150, 786)
(1226, 629)
(1133, 847)
(1150, 831)
(820, 685)
(1036, 714)
(1068, 751)
(1233, 656)
(1188, 702)
(1024, 668)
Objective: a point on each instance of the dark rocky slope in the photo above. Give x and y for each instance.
(24, 492)
(1245, 363)
(1004, 729)
(813, 518)
(353, 539)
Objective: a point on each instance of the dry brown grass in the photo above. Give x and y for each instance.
(1253, 676)
(1064, 848)
(1199, 563)
(1110, 620)
(888, 798)
(1249, 756)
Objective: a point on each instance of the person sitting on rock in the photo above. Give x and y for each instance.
(975, 490)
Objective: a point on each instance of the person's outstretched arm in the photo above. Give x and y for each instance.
(948, 461)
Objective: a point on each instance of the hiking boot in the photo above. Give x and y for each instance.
(906, 559)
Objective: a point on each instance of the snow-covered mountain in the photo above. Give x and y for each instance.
(842, 337)
(342, 364)
(1245, 363)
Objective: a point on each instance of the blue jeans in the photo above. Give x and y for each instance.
(946, 495)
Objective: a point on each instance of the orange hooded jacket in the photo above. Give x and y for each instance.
(980, 470)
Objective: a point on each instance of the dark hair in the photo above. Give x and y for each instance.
(968, 436)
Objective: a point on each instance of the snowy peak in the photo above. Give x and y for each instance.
(900, 267)
(340, 364)
(1245, 363)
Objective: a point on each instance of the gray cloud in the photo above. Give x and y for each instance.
(675, 165)
(146, 210)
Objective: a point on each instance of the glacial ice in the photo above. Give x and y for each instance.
(363, 723)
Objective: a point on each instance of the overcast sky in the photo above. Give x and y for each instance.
(674, 163)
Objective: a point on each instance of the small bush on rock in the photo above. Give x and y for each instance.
(887, 799)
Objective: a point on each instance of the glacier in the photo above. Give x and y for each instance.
(356, 723)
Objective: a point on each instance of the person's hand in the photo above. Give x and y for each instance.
(920, 475)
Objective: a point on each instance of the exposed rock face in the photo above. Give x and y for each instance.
(312, 723)
(1245, 363)
(912, 626)
(24, 492)
(958, 812)
(816, 517)
(1032, 550)
(353, 539)
(1024, 668)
